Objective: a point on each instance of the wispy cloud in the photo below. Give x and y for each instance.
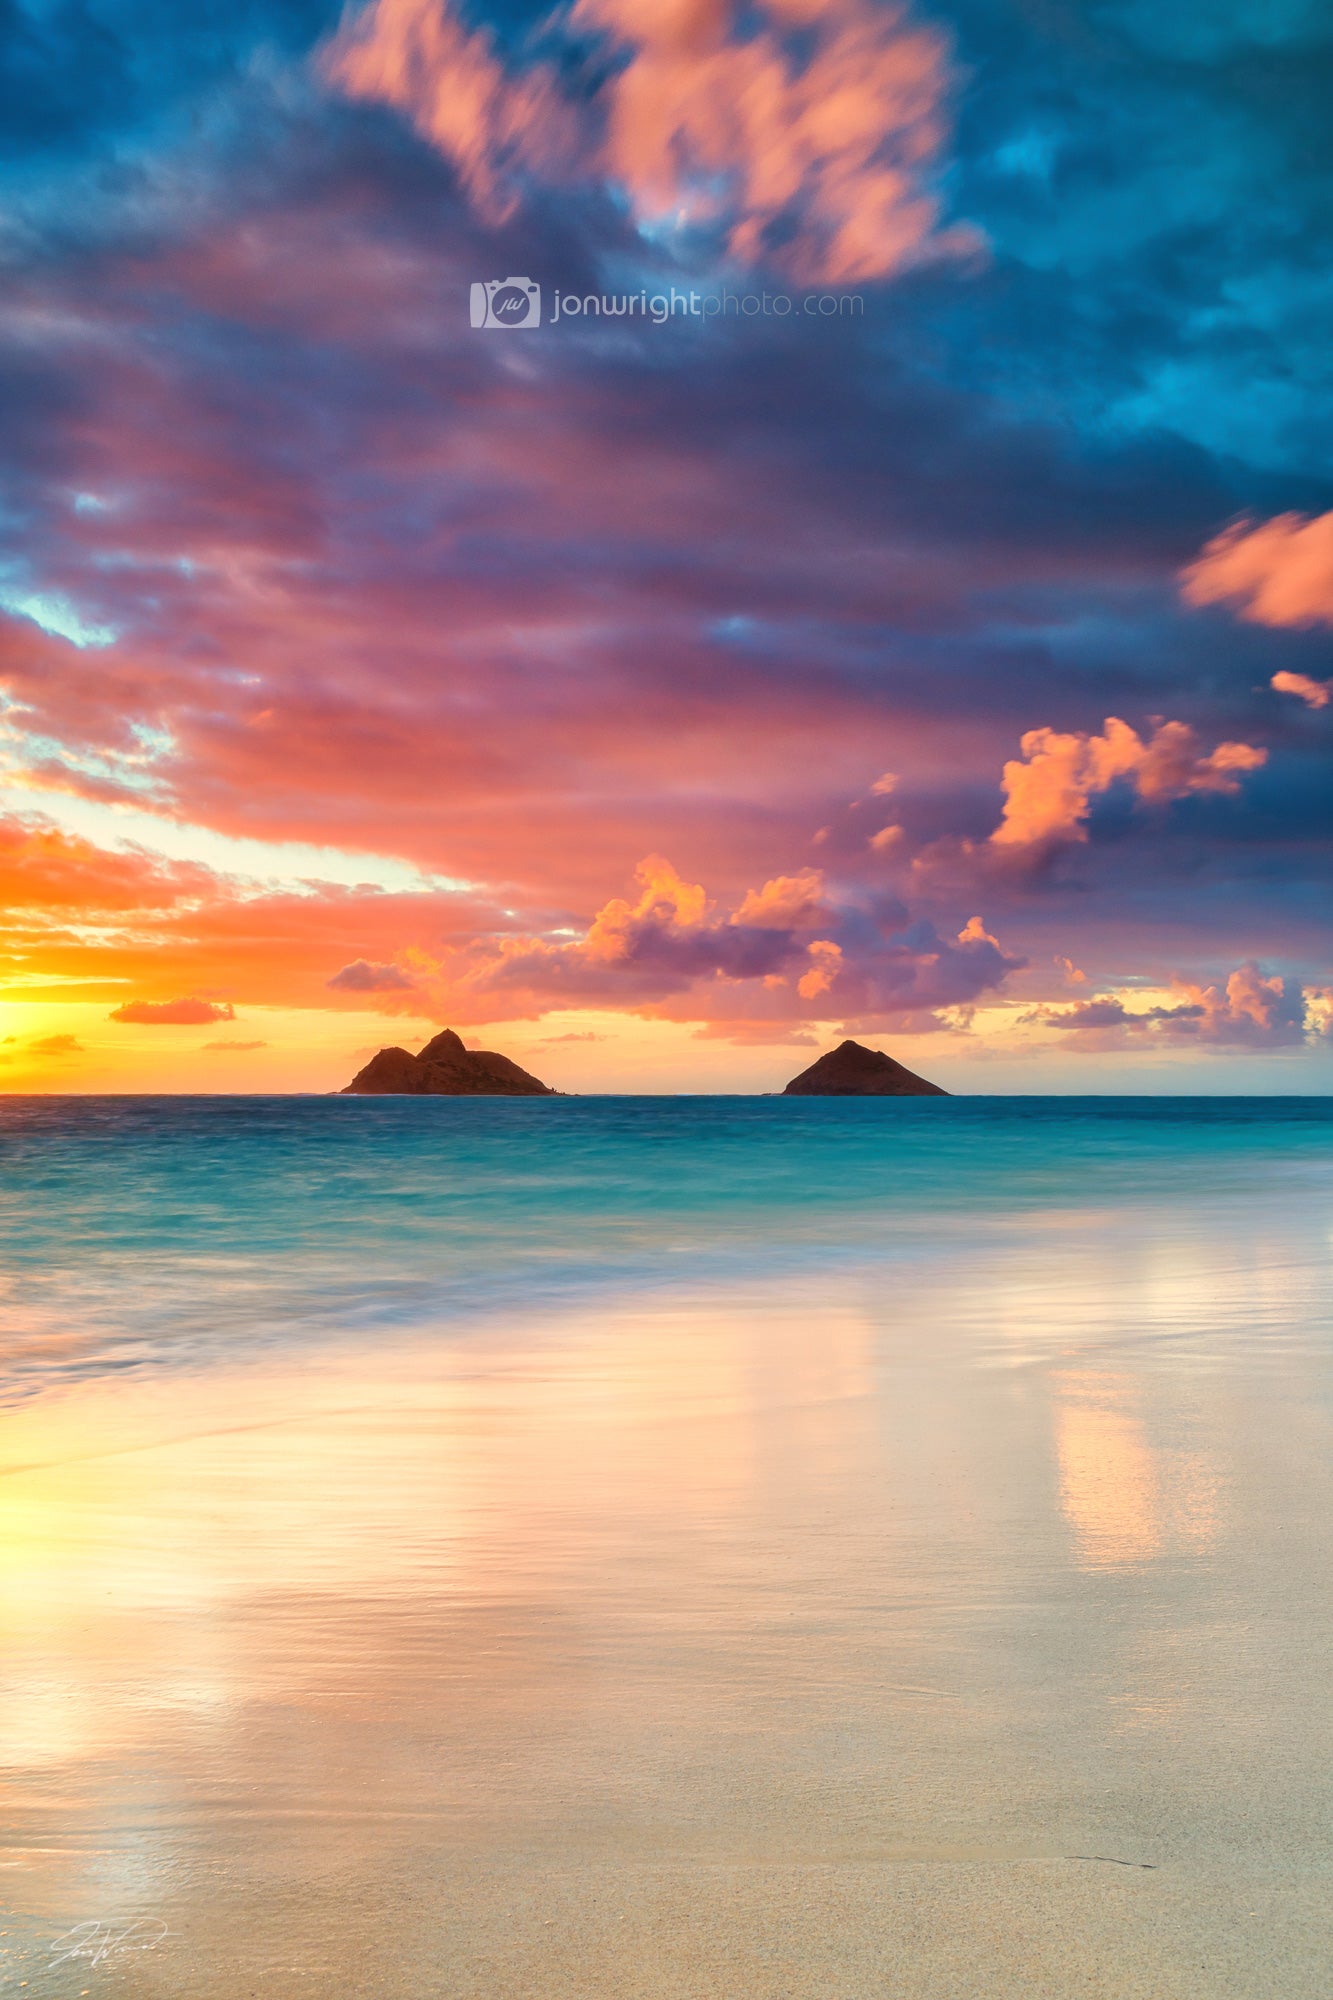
(186, 1013)
(803, 135)
(1277, 572)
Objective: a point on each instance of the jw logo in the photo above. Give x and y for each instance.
(506, 302)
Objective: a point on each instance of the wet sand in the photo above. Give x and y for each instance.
(916, 1634)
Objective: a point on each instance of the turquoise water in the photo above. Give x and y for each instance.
(138, 1231)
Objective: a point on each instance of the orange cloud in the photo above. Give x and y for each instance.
(43, 870)
(56, 1045)
(1315, 694)
(1049, 790)
(788, 901)
(826, 964)
(667, 908)
(1278, 572)
(173, 1013)
(814, 121)
(77, 920)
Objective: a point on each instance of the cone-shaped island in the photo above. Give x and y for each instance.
(853, 1071)
(444, 1068)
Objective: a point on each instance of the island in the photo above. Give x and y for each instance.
(444, 1068)
(853, 1071)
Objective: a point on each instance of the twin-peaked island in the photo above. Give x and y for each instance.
(444, 1068)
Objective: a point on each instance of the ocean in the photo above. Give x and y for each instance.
(654, 1546)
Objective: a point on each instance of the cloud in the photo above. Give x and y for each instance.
(522, 613)
(56, 1045)
(791, 902)
(173, 1013)
(826, 964)
(672, 953)
(58, 874)
(495, 125)
(1278, 572)
(1315, 694)
(755, 1035)
(1049, 790)
(661, 942)
(803, 134)
(886, 839)
(235, 1048)
(1250, 1009)
(361, 976)
(1089, 1014)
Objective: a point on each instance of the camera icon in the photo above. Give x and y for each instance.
(506, 302)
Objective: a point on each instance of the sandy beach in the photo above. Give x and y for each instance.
(840, 1638)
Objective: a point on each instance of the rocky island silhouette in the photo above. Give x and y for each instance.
(852, 1070)
(445, 1068)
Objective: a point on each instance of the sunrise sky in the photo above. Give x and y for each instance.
(660, 702)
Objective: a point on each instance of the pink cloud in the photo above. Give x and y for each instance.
(306, 741)
(1249, 1009)
(886, 840)
(1277, 572)
(818, 120)
(492, 123)
(361, 976)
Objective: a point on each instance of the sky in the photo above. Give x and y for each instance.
(888, 592)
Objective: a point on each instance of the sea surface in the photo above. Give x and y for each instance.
(666, 1546)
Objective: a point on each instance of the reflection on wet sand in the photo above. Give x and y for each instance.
(1108, 1478)
(1123, 1499)
(769, 1644)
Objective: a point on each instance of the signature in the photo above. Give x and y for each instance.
(96, 1939)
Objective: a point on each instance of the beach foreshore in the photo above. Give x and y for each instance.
(884, 1635)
